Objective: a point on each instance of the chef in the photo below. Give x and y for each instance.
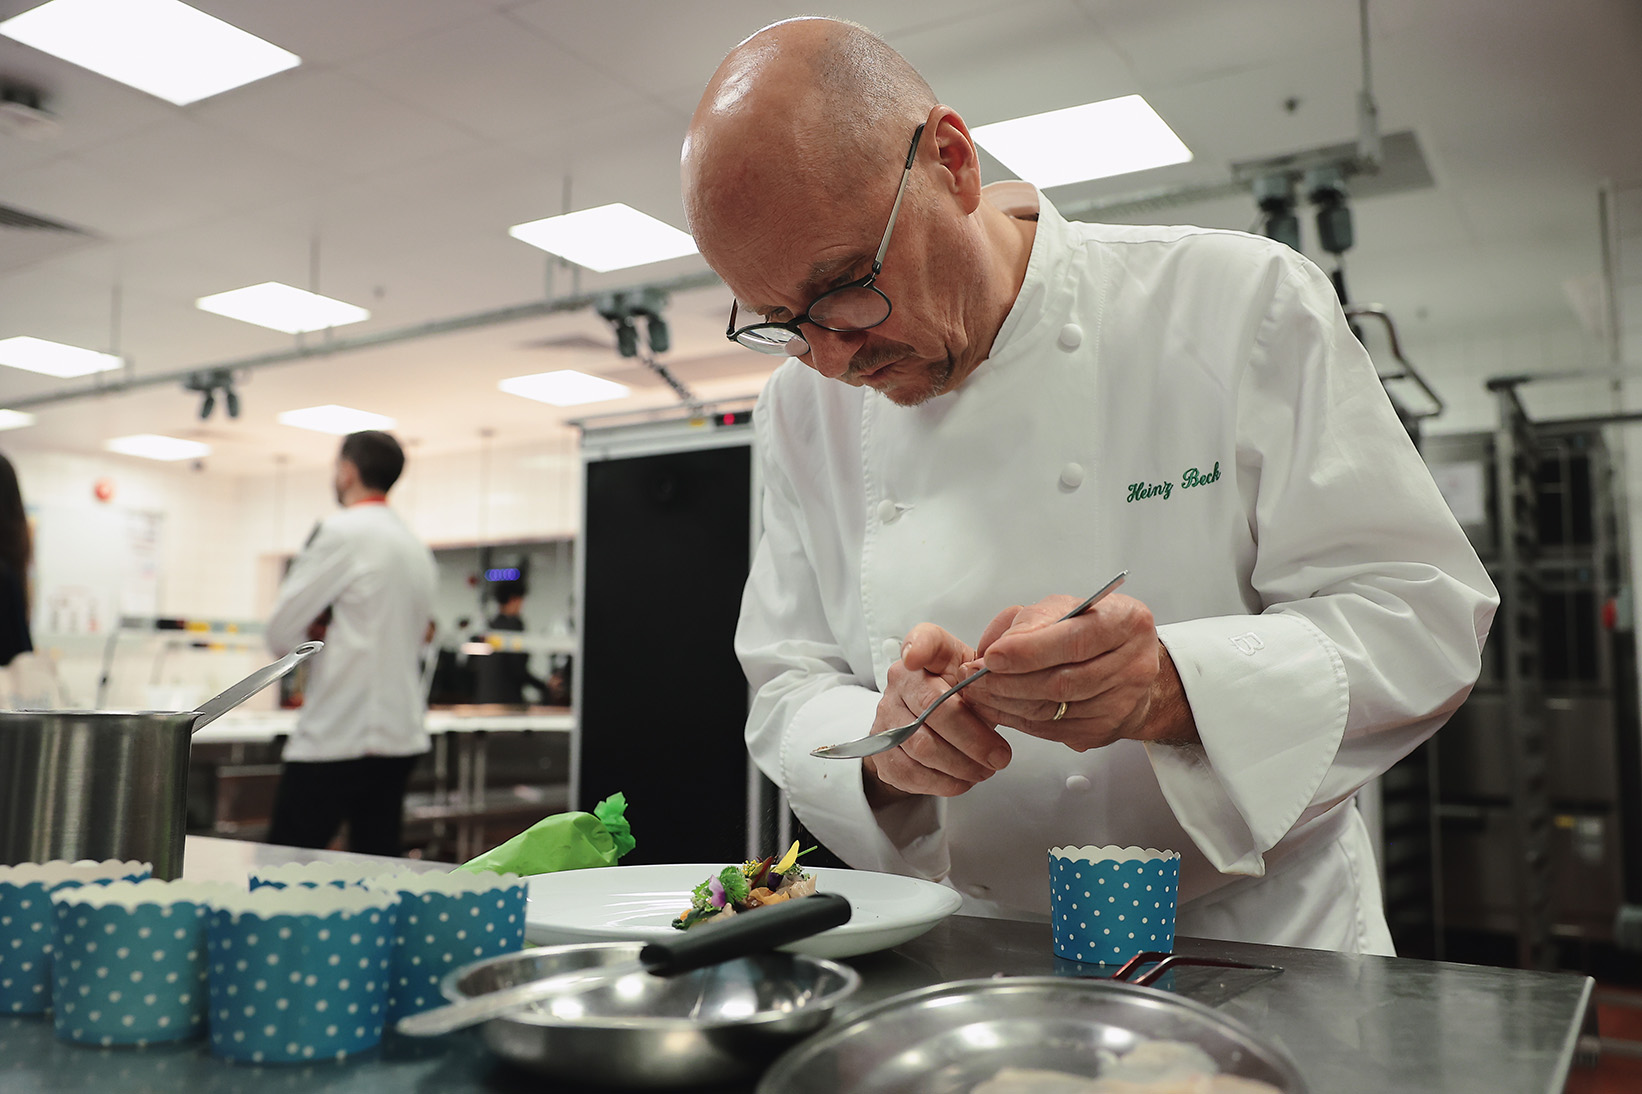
(365, 584)
(988, 412)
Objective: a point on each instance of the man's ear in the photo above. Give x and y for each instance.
(955, 148)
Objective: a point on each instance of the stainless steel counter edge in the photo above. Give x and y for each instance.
(1353, 1023)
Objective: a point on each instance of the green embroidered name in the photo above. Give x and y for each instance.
(1140, 491)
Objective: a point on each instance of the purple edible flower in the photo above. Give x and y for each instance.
(715, 889)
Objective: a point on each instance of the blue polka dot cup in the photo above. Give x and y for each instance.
(129, 966)
(446, 921)
(1107, 904)
(300, 973)
(25, 924)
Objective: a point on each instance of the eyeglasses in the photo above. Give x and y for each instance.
(859, 305)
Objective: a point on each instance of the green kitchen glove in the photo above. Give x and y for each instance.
(564, 841)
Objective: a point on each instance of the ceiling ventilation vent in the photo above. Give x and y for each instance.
(28, 240)
(17, 218)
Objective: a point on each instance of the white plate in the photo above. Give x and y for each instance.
(639, 903)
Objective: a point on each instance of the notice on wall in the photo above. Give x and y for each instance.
(1464, 487)
(93, 564)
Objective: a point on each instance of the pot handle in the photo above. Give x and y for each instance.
(215, 707)
(748, 933)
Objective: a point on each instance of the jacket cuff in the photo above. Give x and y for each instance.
(829, 798)
(1269, 696)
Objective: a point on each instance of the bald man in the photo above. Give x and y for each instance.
(988, 411)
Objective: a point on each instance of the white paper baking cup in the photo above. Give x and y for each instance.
(1109, 903)
(130, 961)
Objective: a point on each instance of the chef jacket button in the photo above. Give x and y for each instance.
(1077, 783)
(1071, 476)
(1071, 336)
(892, 649)
(887, 512)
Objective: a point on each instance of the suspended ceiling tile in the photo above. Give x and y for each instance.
(186, 172)
(1218, 40)
(494, 76)
(659, 46)
(336, 122)
(1007, 62)
(326, 33)
(72, 190)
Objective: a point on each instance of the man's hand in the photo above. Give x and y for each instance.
(955, 749)
(1106, 666)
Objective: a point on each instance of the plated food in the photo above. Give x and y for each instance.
(639, 903)
(756, 883)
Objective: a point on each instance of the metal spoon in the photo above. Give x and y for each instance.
(872, 744)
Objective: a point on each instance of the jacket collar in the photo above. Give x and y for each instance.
(1045, 298)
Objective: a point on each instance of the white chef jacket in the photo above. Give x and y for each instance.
(364, 695)
(1186, 404)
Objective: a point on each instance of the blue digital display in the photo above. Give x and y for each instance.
(509, 574)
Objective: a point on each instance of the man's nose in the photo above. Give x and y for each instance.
(832, 351)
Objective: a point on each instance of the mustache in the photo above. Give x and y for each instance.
(869, 359)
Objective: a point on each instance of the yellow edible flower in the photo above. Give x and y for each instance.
(787, 860)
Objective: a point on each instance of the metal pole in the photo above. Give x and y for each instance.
(511, 314)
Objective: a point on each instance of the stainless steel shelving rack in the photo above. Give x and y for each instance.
(1527, 780)
(1517, 631)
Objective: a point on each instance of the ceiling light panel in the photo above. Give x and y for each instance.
(163, 47)
(15, 419)
(610, 237)
(282, 307)
(336, 420)
(152, 446)
(54, 358)
(565, 387)
(1092, 141)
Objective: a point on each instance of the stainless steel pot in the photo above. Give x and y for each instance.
(81, 784)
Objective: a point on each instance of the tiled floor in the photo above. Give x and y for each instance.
(1619, 1069)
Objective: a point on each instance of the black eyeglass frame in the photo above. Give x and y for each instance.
(734, 334)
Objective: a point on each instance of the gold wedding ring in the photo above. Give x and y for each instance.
(1060, 712)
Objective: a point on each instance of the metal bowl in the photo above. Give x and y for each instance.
(716, 1024)
(951, 1037)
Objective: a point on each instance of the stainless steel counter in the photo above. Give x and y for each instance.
(1354, 1024)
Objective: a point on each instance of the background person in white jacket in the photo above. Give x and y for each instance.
(1043, 405)
(366, 583)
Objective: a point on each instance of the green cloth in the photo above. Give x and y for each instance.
(564, 841)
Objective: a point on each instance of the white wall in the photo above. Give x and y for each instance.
(492, 494)
(224, 538)
(205, 569)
